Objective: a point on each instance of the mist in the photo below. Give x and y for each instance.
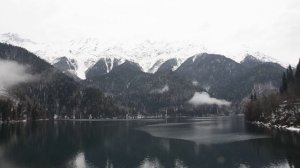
(11, 74)
(204, 98)
(161, 90)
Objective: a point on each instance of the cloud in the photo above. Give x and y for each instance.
(195, 83)
(161, 90)
(204, 98)
(11, 74)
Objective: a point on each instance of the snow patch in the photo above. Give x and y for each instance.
(293, 129)
(283, 127)
(178, 63)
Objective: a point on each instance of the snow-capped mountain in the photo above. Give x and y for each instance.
(260, 57)
(86, 52)
(83, 53)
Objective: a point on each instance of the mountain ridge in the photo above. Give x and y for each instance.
(86, 52)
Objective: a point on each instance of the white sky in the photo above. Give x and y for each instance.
(227, 26)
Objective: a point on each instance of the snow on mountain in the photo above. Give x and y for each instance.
(11, 37)
(85, 52)
(258, 56)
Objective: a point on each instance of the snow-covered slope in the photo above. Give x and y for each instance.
(260, 57)
(86, 52)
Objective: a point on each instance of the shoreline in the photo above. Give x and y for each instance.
(280, 127)
(141, 119)
(93, 120)
(21, 121)
(111, 119)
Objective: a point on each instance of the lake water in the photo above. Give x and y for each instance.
(191, 143)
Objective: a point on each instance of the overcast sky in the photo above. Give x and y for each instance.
(268, 26)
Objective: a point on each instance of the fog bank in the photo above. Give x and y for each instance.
(204, 98)
(11, 74)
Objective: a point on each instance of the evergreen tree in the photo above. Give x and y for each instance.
(297, 73)
(284, 83)
(290, 75)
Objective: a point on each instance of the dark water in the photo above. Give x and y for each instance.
(208, 142)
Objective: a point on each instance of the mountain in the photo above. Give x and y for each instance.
(52, 94)
(88, 51)
(103, 66)
(251, 61)
(146, 92)
(169, 66)
(224, 78)
(14, 38)
(218, 75)
(244, 83)
(209, 70)
(151, 76)
(67, 66)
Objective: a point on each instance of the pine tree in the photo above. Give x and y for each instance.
(297, 73)
(290, 75)
(284, 83)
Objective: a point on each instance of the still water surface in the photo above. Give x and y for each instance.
(191, 143)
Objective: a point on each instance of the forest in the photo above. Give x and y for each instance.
(280, 108)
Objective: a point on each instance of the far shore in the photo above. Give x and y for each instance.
(108, 119)
(114, 119)
(111, 119)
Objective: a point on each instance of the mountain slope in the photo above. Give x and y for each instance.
(243, 84)
(208, 70)
(150, 93)
(250, 61)
(53, 93)
(168, 66)
(221, 77)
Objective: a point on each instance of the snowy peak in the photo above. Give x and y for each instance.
(66, 65)
(256, 58)
(103, 66)
(251, 61)
(84, 53)
(262, 57)
(12, 38)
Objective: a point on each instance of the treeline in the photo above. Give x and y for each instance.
(281, 108)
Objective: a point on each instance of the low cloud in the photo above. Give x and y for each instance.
(11, 74)
(204, 98)
(195, 83)
(161, 90)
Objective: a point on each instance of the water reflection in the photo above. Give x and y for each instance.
(78, 162)
(122, 144)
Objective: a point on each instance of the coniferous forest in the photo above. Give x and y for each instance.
(281, 108)
(53, 94)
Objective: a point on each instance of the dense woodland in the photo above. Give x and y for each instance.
(53, 94)
(281, 108)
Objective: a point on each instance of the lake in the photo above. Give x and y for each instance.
(180, 143)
